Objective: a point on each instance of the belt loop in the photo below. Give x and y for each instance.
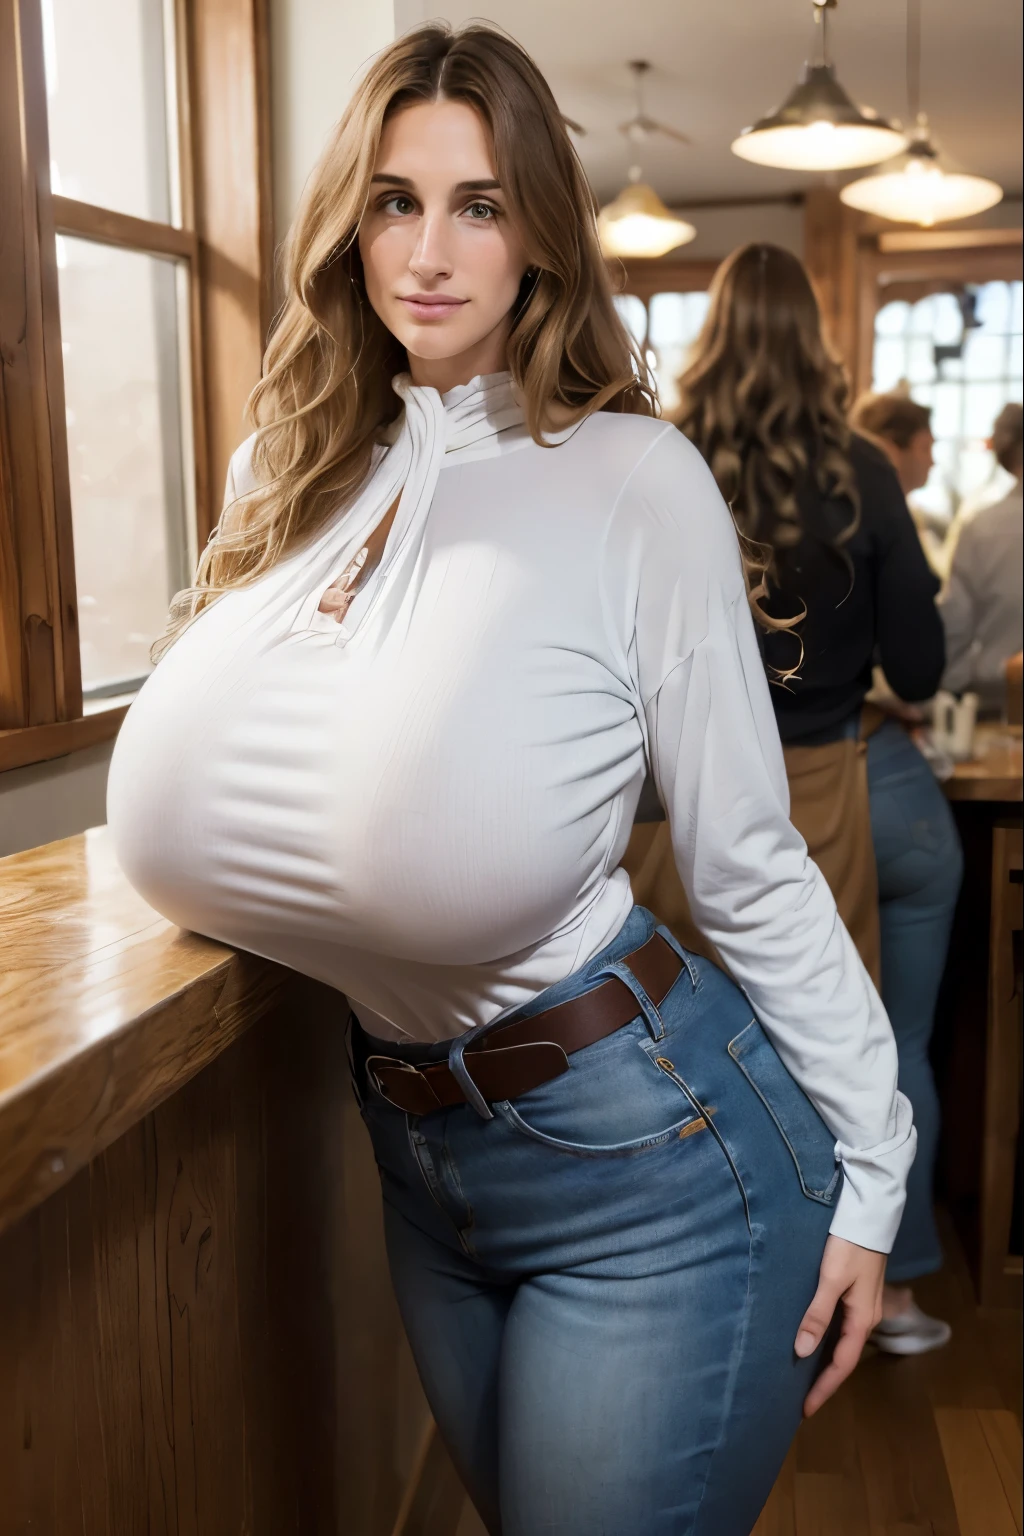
(684, 954)
(460, 1072)
(652, 1018)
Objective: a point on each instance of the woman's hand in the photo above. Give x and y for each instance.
(853, 1276)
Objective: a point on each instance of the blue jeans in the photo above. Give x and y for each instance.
(920, 865)
(602, 1284)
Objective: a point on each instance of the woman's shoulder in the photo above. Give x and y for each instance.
(877, 480)
(644, 449)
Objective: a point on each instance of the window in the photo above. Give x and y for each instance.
(958, 352)
(662, 304)
(665, 329)
(112, 110)
(135, 201)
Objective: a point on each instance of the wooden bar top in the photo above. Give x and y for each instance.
(105, 1010)
(994, 772)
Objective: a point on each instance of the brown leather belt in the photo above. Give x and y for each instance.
(515, 1057)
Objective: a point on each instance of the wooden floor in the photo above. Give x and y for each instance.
(922, 1447)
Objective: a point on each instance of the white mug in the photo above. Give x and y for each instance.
(953, 722)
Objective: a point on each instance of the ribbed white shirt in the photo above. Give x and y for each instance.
(426, 806)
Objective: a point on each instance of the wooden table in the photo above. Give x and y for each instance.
(983, 985)
(994, 772)
(197, 1333)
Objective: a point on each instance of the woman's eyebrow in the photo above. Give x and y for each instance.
(486, 184)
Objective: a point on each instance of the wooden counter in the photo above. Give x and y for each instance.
(994, 773)
(197, 1333)
(977, 1050)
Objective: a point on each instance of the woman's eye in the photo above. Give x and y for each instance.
(398, 204)
(481, 211)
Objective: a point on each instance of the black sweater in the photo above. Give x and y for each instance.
(887, 615)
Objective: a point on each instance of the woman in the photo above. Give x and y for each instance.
(983, 604)
(764, 402)
(607, 1200)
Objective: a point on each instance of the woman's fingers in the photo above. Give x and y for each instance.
(818, 1315)
(851, 1277)
(856, 1327)
(335, 601)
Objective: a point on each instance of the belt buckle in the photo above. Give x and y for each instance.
(406, 1069)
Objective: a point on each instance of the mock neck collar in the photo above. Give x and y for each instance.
(476, 420)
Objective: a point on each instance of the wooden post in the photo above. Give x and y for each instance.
(831, 231)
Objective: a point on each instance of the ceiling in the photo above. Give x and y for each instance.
(720, 65)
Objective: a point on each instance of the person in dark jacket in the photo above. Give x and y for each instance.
(848, 586)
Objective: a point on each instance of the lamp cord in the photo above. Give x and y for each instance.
(821, 10)
(914, 59)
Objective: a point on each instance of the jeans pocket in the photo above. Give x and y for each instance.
(811, 1144)
(612, 1102)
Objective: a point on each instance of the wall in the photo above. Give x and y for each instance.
(45, 801)
(720, 230)
(318, 49)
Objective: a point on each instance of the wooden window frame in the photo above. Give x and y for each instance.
(644, 277)
(226, 241)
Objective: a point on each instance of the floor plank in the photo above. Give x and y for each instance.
(1002, 1432)
(906, 1486)
(825, 1505)
(778, 1518)
(981, 1503)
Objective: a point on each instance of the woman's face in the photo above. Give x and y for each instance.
(441, 257)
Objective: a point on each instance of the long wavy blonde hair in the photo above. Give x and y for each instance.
(326, 394)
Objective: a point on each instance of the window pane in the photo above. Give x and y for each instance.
(633, 314)
(920, 356)
(992, 307)
(676, 320)
(891, 319)
(129, 450)
(889, 363)
(1016, 368)
(108, 96)
(949, 322)
(1016, 318)
(984, 356)
(983, 404)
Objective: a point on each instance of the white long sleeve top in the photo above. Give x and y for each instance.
(426, 806)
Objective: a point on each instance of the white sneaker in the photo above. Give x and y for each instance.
(912, 1332)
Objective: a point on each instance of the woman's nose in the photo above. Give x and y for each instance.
(432, 256)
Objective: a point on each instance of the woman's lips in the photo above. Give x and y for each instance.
(427, 307)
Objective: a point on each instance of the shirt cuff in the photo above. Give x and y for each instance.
(874, 1191)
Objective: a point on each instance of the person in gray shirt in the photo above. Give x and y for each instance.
(983, 604)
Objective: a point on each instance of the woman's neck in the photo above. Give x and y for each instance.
(488, 355)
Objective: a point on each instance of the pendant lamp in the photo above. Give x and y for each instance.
(915, 188)
(637, 223)
(818, 127)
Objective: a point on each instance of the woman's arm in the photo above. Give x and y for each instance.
(958, 607)
(911, 644)
(765, 906)
(716, 757)
(717, 761)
